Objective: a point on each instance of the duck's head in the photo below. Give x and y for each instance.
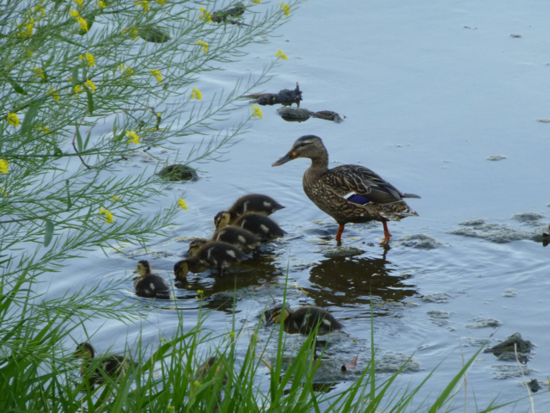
(277, 315)
(181, 268)
(84, 351)
(308, 146)
(196, 245)
(222, 219)
(143, 269)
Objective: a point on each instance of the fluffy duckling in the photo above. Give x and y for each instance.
(95, 371)
(260, 225)
(148, 284)
(258, 203)
(303, 320)
(218, 255)
(238, 237)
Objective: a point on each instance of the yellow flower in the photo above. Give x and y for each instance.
(83, 23)
(43, 129)
(196, 94)
(257, 1)
(4, 166)
(145, 5)
(200, 292)
(12, 119)
(204, 45)
(286, 9)
(182, 204)
(257, 112)
(89, 59)
(157, 74)
(134, 138)
(2, 189)
(281, 55)
(40, 73)
(196, 383)
(90, 85)
(54, 93)
(115, 198)
(205, 15)
(101, 4)
(26, 32)
(128, 71)
(161, 2)
(77, 89)
(108, 216)
(79, 2)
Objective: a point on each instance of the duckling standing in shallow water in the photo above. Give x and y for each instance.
(148, 284)
(348, 193)
(303, 320)
(218, 255)
(94, 371)
(257, 203)
(260, 225)
(238, 237)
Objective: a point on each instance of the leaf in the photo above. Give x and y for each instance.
(352, 364)
(57, 151)
(16, 86)
(48, 233)
(74, 76)
(69, 202)
(78, 140)
(65, 39)
(26, 126)
(90, 101)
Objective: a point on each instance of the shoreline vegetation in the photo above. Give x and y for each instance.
(70, 71)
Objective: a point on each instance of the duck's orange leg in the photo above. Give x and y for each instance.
(339, 234)
(387, 234)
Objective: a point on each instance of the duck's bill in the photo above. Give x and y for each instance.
(288, 157)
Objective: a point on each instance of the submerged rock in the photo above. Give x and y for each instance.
(333, 252)
(438, 298)
(531, 218)
(513, 343)
(420, 241)
(499, 233)
(294, 114)
(178, 172)
(484, 322)
(328, 115)
(507, 371)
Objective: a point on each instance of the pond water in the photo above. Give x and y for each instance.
(430, 90)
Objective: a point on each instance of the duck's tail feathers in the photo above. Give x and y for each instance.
(409, 196)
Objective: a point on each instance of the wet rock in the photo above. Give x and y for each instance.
(391, 363)
(517, 357)
(496, 158)
(512, 344)
(476, 342)
(333, 252)
(531, 218)
(484, 322)
(510, 292)
(438, 298)
(497, 233)
(534, 385)
(473, 222)
(294, 114)
(420, 241)
(178, 172)
(503, 372)
(153, 34)
(439, 317)
(328, 115)
(228, 14)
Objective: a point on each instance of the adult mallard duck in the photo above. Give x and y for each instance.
(95, 370)
(348, 193)
(238, 237)
(258, 224)
(303, 320)
(218, 255)
(149, 284)
(257, 203)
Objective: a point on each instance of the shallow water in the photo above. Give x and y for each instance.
(429, 91)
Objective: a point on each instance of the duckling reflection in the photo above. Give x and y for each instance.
(358, 279)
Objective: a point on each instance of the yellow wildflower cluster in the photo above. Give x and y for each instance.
(76, 90)
(257, 112)
(90, 85)
(83, 23)
(108, 216)
(39, 73)
(257, 1)
(145, 5)
(156, 73)
(79, 2)
(115, 198)
(200, 292)
(12, 119)
(101, 4)
(281, 55)
(4, 166)
(204, 45)
(196, 94)
(286, 9)
(54, 93)
(134, 138)
(26, 29)
(128, 71)
(182, 204)
(89, 59)
(205, 15)
(43, 129)
(161, 2)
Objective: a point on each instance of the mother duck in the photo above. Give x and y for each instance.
(348, 193)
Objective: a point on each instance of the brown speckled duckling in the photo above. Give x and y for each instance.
(238, 237)
(260, 225)
(257, 203)
(218, 255)
(303, 320)
(348, 193)
(149, 284)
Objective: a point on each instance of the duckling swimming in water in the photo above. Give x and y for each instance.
(148, 284)
(257, 203)
(95, 371)
(303, 320)
(258, 224)
(238, 237)
(218, 255)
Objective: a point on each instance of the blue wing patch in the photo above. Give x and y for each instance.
(357, 199)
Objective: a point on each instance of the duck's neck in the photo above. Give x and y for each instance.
(319, 165)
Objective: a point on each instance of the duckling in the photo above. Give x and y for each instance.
(303, 320)
(218, 255)
(148, 284)
(258, 224)
(95, 371)
(258, 203)
(238, 237)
